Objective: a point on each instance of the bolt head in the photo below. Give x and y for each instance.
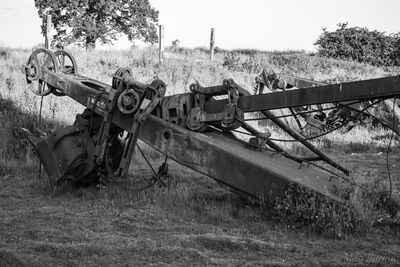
(126, 100)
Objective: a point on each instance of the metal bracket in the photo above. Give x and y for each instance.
(101, 145)
(153, 95)
(230, 118)
(260, 141)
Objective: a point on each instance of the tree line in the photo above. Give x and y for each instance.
(87, 22)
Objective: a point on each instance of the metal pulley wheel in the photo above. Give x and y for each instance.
(196, 126)
(128, 101)
(193, 123)
(41, 60)
(119, 74)
(233, 122)
(66, 62)
(67, 65)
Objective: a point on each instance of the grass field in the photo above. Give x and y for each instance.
(192, 222)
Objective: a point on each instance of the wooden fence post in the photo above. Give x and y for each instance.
(161, 44)
(47, 37)
(212, 44)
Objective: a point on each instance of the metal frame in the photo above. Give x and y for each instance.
(217, 153)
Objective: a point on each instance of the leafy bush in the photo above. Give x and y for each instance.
(360, 44)
(368, 205)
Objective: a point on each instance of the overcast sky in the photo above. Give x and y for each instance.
(261, 24)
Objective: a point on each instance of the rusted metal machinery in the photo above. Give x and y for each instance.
(194, 129)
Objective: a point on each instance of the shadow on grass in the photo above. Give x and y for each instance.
(12, 145)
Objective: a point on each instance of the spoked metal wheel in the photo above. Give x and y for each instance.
(41, 60)
(66, 62)
(119, 74)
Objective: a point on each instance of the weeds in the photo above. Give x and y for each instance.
(231, 62)
(374, 206)
(301, 207)
(367, 206)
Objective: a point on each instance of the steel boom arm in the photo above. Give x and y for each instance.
(387, 87)
(228, 160)
(215, 153)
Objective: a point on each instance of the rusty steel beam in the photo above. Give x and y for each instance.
(299, 82)
(231, 162)
(387, 87)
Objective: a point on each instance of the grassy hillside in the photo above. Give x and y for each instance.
(193, 221)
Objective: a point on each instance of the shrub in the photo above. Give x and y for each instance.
(302, 207)
(360, 44)
(231, 61)
(368, 205)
